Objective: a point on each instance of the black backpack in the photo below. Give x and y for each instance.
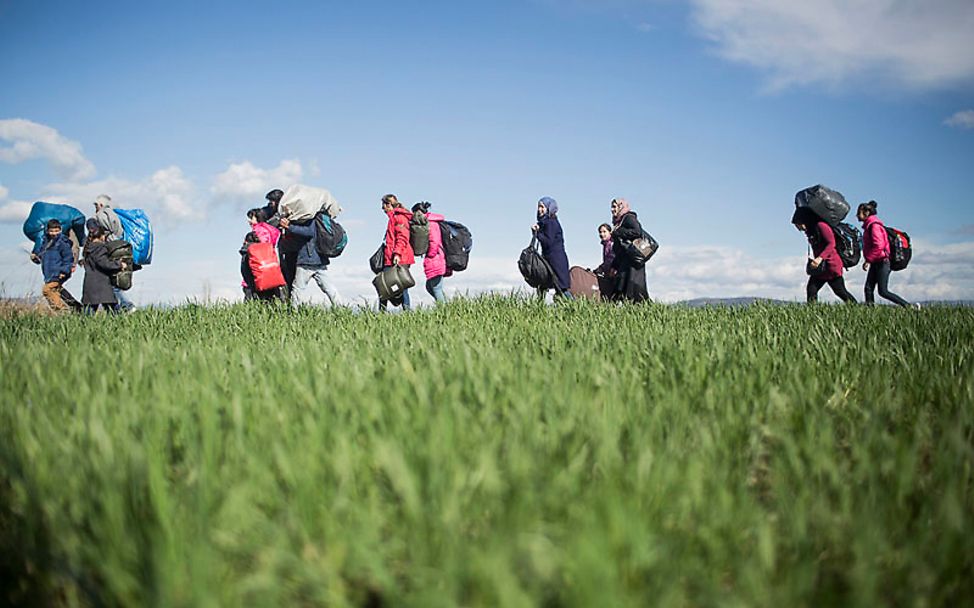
(534, 268)
(419, 233)
(457, 243)
(900, 248)
(121, 251)
(330, 237)
(848, 242)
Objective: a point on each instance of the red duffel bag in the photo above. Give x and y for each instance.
(265, 266)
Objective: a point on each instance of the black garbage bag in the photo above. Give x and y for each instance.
(824, 202)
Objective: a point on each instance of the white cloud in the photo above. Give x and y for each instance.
(919, 44)
(962, 120)
(3, 192)
(164, 195)
(14, 212)
(247, 181)
(29, 140)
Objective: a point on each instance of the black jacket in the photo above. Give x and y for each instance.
(630, 281)
(98, 270)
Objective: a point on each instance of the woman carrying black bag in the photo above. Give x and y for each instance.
(630, 282)
(826, 265)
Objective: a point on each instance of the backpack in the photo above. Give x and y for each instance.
(330, 237)
(900, 248)
(534, 268)
(121, 251)
(419, 233)
(457, 243)
(848, 242)
(265, 266)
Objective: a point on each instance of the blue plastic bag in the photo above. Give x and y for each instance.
(40, 213)
(138, 232)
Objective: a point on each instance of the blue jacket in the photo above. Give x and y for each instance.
(308, 252)
(552, 241)
(56, 258)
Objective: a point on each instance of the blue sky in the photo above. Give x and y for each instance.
(707, 115)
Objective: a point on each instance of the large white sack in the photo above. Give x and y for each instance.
(301, 203)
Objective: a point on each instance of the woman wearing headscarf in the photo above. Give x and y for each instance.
(552, 238)
(630, 281)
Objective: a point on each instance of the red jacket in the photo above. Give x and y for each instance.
(875, 242)
(823, 246)
(397, 237)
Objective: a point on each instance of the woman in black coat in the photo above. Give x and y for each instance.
(630, 281)
(97, 290)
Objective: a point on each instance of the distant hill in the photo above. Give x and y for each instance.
(749, 300)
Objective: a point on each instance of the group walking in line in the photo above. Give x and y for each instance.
(293, 238)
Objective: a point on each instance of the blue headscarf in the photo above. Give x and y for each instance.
(550, 205)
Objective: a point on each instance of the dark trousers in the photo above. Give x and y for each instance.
(268, 295)
(878, 274)
(837, 285)
(93, 308)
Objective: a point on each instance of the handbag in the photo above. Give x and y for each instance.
(640, 250)
(392, 282)
(377, 261)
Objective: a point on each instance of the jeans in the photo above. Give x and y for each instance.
(304, 274)
(878, 274)
(434, 287)
(838, 288)
(123, 302)
(405, 298)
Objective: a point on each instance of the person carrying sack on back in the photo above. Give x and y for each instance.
(398, 250)
(630, 283)
(57, 264)
(107, 219)
(876, 253)
(309, 264)
(826, 265)
(552, 239)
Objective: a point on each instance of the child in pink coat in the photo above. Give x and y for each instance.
(434, 263)
(875, 250)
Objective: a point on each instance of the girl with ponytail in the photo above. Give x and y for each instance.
(875, 250)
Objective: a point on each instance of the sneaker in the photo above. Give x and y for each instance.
(916, 306)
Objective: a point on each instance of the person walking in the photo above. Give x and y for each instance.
(308, 264)
(605, 272)
(398, 251)
(630, 283)
(97, 290)
(552, 239)
(826, 265)
(57, 264)
(106, 217)
(434, 262)
(876, 252)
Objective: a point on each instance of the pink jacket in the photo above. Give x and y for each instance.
(875, 242)
(267, 233)
(435, 262)
(824, 247)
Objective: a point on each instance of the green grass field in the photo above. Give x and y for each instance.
(492, 452)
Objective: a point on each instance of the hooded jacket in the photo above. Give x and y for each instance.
(435, 262)
(266, 233)
(875, 241)
(56, 258)
(108, 219)
(397, 237)
(98, 270)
